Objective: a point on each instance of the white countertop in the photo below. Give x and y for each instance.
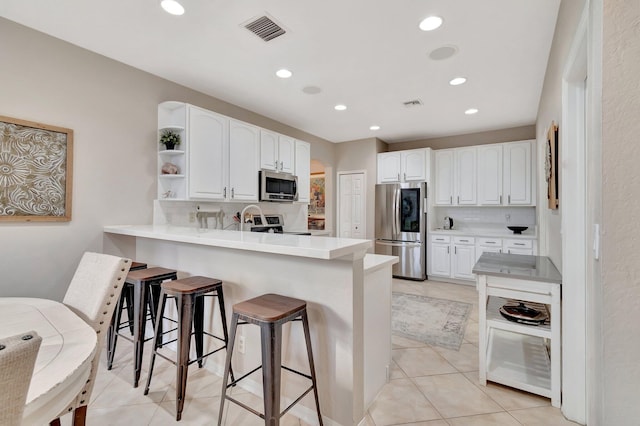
(529, 234)
(292, 245)
(374, 262)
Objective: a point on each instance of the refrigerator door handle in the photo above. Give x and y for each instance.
(396, 212)
(399, 244)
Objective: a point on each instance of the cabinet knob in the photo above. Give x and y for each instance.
(398, 177)
(405, 176)
(451, 199)
(232, 192)
(224, 192)
(509, 199)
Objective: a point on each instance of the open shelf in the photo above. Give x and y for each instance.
(496, 320)
(520, 361)
(171, 152)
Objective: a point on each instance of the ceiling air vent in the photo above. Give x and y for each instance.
(265, 28)
(413, 103)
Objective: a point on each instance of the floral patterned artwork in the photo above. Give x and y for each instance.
(35, 171)
(317, 192)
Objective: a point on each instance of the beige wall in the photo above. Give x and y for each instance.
(357, 156)
(112, 109)
(481, 138)
(620, 211)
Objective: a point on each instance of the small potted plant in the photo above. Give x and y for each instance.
(170, 138)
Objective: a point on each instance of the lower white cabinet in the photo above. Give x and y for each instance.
(452, 256)
(488, 245)
(440, 250)
(516, 246)
(464, 257)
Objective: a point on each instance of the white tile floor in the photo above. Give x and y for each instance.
(430, 386)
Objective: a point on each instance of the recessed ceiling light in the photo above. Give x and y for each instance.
(311, 90)
(458, 81)
(471, 111)
(284, 73)
(374, 128)
(430, 23)
(444, 52)
(340, 107)
(172, 7)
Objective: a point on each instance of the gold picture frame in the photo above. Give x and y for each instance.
(551, 167)
(36, 171)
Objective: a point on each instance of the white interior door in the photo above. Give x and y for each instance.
(351, 209)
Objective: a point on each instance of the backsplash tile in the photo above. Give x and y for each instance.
(177, 213)
(485, 217)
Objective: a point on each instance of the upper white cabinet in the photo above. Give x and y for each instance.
(208, 135)
(303, 170)
(404, 166)
(490, 175)
(465, 176)
(485, 175)
(517, 175)
(277, 152)
(244, 161)
(444, 177)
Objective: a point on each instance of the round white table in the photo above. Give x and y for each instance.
(64, 359)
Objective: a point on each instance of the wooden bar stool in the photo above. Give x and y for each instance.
(189, 294)
(269, 312)
(145, 288)
(116, 324)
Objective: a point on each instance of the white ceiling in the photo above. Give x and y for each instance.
(367, 54)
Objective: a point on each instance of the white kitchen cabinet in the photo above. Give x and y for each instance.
(517, 173)
(172, 116)
(277, 152)
(490, 175)
(488, 245)
(208, 135)
(244, 161)
(444, 177)
(404, 166)
(440, 251)
(303, 170)
(518, 246)
(464, 257)
(389, 167)
(465, 176)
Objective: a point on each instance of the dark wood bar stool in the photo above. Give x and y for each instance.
(189, 295)
(269, 312)
(116, 325)
(144, 284)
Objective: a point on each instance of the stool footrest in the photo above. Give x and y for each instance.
(233, 382)
(246, 407)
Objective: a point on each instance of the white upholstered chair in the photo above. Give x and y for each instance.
(93, 295)
(17, 359)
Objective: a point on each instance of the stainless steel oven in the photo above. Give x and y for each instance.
(278, 186)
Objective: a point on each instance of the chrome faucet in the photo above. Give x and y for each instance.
(264, 220)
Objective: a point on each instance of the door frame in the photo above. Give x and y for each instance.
(364, 200)
(575, 251)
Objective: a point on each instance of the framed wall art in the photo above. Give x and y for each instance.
(36, 164)
(551, 166)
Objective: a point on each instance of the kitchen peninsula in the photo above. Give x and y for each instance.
(348, 294)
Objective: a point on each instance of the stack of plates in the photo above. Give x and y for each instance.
(525, 312)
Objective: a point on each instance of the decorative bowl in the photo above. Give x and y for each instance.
(517, 229)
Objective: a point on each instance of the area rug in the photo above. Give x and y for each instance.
(439, 322)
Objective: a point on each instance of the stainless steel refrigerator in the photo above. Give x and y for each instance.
(401, 215)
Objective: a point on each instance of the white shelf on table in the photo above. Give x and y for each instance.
(520, 361)
(496, 320)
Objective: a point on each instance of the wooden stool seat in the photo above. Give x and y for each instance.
(150, 274)
(143, 285)
(191, 285)
(269, 312)
(269, 307)
(137, 265)
(189, 294)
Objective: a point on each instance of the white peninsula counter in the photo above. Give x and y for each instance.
(348, 294)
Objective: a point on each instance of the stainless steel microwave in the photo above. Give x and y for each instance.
(278, 186)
